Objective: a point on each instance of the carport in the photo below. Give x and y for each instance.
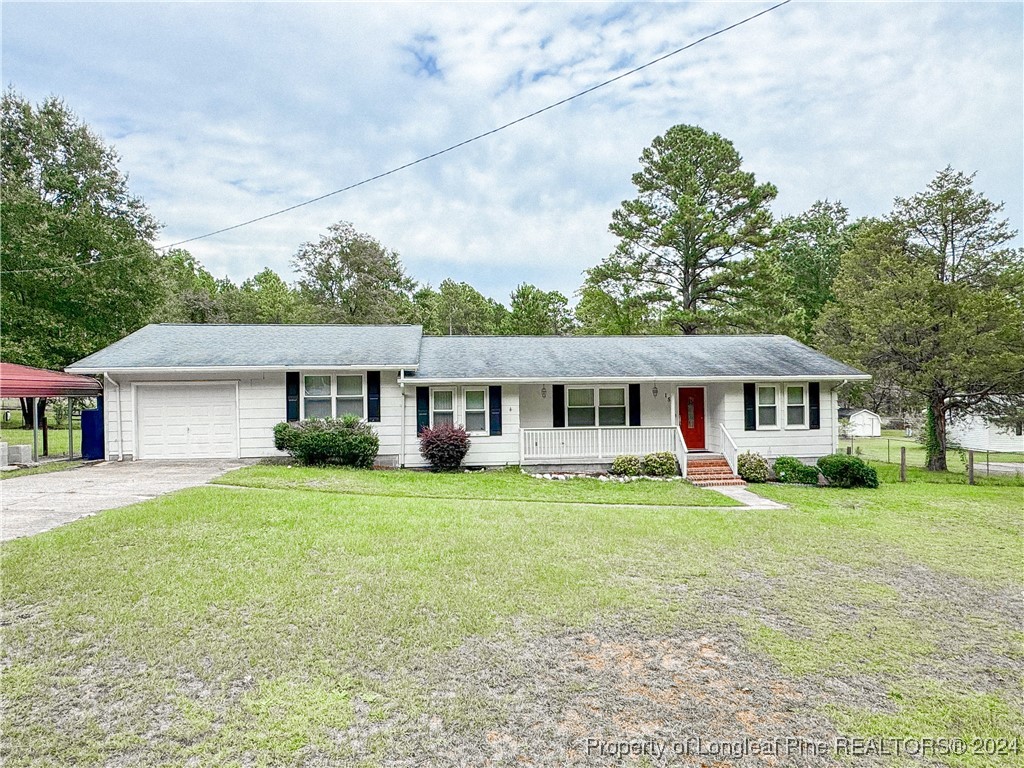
(22, 381)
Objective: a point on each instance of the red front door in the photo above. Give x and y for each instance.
(691, 417)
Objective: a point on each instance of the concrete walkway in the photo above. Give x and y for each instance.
(747, 498)
(37, 503)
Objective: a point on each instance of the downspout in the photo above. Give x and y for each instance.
(834, 406)
(401, 449)
(120, 445)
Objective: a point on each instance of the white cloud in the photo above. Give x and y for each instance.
(226, 112)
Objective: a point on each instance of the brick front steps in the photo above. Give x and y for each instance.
(707, 470)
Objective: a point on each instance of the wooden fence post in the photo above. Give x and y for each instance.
(970, 467)
(903, 463)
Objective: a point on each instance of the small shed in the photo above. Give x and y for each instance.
(22, 381)
(863, 423)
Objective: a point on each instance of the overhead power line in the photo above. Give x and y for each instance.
(453, 147)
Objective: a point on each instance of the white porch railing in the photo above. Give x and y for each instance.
(729, 449)
(580, 444)
(680, 450)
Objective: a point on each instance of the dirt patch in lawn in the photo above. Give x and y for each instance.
(582, 698)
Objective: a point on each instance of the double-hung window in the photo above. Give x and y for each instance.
(476, 410)
(327, 396)
(796, 406)
(579, 404)
(316, 392)
(442, 407)
(349, 396)
(611, 411)
(767, 407)
(589, 407)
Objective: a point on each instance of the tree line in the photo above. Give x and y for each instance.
(928, 298)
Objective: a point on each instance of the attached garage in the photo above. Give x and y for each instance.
(187, 420)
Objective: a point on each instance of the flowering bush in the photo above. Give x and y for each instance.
(752, 467)
(626, 465)
(659, 464)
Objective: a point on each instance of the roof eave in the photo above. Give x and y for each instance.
(113, 370)
(597, 379)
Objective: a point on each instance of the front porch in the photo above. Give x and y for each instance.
(570, 446)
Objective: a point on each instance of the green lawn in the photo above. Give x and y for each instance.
(57, 439)
(496, 485)
(886, 449)
(252, 626)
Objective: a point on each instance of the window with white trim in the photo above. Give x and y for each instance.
(767, 408)
(796, 405)
(442, 407)
(325, 396)
(476, 410)
(595, 406)
(349, 397)
(611, 407)
(316, 397)
(579, 405)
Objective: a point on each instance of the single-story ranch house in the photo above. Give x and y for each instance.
(194, 391)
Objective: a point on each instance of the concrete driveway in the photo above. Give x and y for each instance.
(37, 503)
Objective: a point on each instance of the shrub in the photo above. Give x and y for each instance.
(444, 446)
(790, 470)
(627, 465)
(659, 464)
(847, 471)
(752, 467)
(284, 436)
(349, 441)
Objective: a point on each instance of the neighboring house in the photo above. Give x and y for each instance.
(975, 433)
(862, 422)
(194, 391)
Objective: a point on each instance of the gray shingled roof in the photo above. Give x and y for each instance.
(259, 346)
(574, 357)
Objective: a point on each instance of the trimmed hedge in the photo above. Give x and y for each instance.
(661, 464)
(790, 470)
(847, 471)
(752, 467)
(444, 446)
(348, 441)
(627, 465)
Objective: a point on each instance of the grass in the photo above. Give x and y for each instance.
(12, 432)
(326, 624)
(495, 485)
(886, 449)
(41, 469)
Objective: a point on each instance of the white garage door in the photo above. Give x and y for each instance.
(187, 421)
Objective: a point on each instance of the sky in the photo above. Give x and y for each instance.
(222, 112)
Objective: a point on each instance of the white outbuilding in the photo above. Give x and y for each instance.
(977, 434)
(862, 422)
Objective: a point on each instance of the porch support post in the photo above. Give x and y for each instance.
(35, 429)
(71, 436)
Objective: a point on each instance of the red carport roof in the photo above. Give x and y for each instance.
(22, 381)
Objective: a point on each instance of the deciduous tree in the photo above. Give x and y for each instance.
(78, 270)
(349, 277)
